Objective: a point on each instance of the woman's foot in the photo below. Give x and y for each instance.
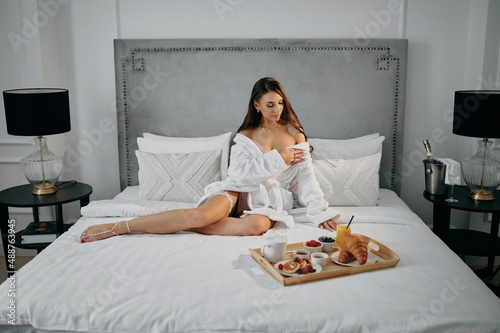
(103, 231)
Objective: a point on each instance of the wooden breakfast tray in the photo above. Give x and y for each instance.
(330, 270)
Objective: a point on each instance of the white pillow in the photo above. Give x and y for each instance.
(349, 182)
(346, 149)
(177, 177)
(158, 144)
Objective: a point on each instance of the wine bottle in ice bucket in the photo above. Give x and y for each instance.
(430, 156)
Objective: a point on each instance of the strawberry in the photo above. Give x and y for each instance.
(280, 266)
(304, 271)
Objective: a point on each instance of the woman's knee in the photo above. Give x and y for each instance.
(256, 225)
(198, 218)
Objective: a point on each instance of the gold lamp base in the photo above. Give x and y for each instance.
(42, 189)
(481, 194)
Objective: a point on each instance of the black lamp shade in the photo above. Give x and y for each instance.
(477, 113)
(37, 111)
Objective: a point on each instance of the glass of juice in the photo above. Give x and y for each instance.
(341, 231)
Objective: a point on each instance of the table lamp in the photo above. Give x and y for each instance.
(38, 112)
(477, 114)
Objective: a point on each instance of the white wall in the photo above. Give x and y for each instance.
(452, 45)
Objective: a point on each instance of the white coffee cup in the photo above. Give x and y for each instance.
(319, 258)
(273, 248)
(301, 253)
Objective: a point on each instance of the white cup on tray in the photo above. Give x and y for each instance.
(273, 248)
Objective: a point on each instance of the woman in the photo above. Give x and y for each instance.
(269, 161)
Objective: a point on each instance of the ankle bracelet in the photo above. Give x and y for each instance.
(112, 230)
(126, 223)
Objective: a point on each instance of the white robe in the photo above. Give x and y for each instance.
(270, 182)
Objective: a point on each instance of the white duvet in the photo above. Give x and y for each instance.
(192, 282)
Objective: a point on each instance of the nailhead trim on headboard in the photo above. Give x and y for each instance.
(382, 63)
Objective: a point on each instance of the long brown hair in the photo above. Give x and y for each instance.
(261, 87)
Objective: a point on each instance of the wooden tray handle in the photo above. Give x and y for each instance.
(375, 247)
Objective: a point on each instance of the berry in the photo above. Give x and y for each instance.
(280, 266)
(304, 271)
(326, 239)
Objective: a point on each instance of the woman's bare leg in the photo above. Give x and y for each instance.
(250, 225)
(215, 209)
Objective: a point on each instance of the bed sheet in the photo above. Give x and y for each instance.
(192, 282)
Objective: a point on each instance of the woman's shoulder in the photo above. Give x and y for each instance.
(297, 134)
(250, 133)
(247, 132)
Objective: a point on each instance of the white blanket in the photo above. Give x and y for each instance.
(191, 282)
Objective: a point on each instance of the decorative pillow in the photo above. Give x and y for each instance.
(158, 144)
(346, 149)
(177, 177)
(349, 182)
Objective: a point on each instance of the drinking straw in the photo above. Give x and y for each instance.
(350, 222)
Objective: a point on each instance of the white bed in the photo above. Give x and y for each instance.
(192, 282)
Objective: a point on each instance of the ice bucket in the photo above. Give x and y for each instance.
(434, 177)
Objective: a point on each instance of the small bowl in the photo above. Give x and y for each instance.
(327, 246)
(319, 258)
(301, 253)
(313, 249)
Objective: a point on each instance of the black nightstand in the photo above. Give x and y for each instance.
(21, 196)
(468, 242)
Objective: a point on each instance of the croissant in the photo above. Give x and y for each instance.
(345, 256)
(356, 245)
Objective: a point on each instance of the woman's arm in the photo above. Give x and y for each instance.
(310, 194)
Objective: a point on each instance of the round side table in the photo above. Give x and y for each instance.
(465, 241)
(21, 196)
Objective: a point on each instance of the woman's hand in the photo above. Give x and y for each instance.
(291, 156)
(329, 225)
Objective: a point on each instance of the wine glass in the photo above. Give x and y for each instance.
(453, 171)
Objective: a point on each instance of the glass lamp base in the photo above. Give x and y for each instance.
(42, 167)
(481, 194)
(41, 189)
(482, 172)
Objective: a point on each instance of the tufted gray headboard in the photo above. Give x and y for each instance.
(339, 88)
